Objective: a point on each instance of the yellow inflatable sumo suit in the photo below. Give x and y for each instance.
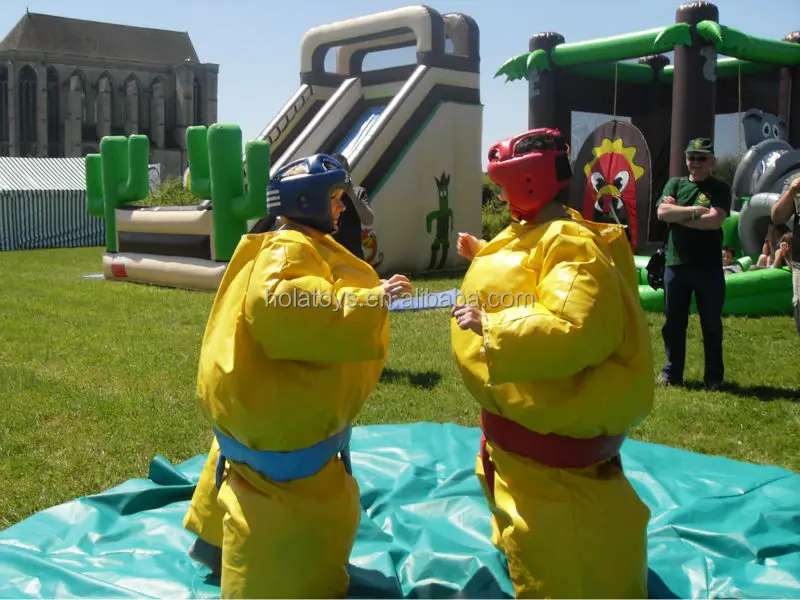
(551, 340)
(295, 342)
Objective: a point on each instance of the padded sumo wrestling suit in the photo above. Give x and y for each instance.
(575, 364)
(281, 385)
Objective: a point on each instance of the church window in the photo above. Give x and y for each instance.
(27, 111)
(54, 126)
(4, 136)
(198, 103)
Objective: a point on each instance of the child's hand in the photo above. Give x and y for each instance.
(468, 317)
(467, 245)
(396, 286)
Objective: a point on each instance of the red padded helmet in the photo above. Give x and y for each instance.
(531, 168)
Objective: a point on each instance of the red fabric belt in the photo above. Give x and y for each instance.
(552, 450)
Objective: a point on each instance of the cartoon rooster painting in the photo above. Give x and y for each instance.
(610, 192)
(369, 244)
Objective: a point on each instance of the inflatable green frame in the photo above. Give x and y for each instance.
(713, 65)
(602, 58)
(554, 70)
(760, 292)
(757, 293)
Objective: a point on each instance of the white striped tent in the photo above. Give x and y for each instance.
(43, 205)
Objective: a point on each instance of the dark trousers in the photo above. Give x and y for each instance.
(349, 235)
(708, 285)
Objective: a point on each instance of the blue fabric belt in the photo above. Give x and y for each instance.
(284, 466)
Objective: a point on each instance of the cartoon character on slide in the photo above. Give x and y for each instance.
(295, 342)
(610, 193)
(444, 222)
(551, 340)
(369, 244)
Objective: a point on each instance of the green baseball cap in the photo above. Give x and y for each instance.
(700, 146)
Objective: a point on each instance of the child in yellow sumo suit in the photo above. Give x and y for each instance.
(296, 340)
(551, 340)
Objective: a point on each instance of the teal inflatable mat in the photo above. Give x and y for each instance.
(719, 529)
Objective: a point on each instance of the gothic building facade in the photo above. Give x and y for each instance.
(67, 83)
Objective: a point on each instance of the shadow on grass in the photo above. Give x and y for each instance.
(765, 393)
(422, 379)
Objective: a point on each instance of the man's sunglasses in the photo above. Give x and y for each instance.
(697, 158)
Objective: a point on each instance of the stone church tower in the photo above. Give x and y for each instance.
(66, 83)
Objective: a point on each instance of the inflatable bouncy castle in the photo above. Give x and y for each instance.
(621, 167)
(176, 246)
(411, 134)
(769, 161)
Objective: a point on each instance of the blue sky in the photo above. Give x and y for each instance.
(257, 44)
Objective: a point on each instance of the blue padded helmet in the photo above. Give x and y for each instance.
(301, 191)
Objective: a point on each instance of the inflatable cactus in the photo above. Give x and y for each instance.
(116, 177)
(235, 201)
(197, 150)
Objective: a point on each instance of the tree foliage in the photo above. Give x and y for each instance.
(725, 168)
(495, 215)
(170, 193)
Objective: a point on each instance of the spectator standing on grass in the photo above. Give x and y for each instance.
(788, 206)
(694, 207)
(357, 213)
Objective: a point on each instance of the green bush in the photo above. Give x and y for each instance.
(170, 193)
(490, 190)
(725, 168)
(495, 217)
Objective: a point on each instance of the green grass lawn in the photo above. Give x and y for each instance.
(97, 377)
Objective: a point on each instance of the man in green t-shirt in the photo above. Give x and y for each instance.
(694, 207)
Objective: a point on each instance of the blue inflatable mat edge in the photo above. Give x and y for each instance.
(719, 528)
